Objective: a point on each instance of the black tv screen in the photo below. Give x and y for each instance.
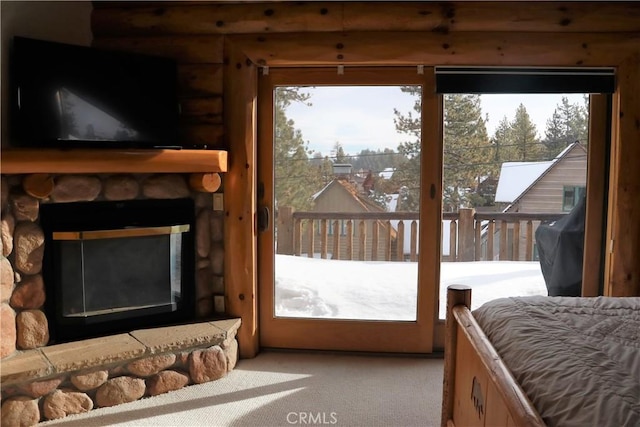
(77, 96)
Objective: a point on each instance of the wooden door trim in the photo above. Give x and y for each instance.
(431, 202)
(595, 220)
(623, 278)
(240, 82)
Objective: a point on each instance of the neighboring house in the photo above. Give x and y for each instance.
(551, 186)
(542, 187)
(345, 194)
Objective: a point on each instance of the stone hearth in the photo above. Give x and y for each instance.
(59, 380)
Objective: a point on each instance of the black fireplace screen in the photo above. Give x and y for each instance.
(116, 266)
(110, 273)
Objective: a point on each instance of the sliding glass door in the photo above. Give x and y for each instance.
(344, 258)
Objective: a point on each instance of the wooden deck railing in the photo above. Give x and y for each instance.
(502, 236)
(393, 236)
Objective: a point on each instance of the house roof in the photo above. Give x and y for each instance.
(516, 178)
(316, 195)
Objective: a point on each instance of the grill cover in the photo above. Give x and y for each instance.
(561, 247)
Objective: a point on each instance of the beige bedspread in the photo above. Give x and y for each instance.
(578, 359)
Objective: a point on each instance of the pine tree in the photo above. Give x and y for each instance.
(323, 167)
(569, 123)
(503, 144)
(340, 156)
(527, 147)
(295, 178)
(375, 160)
(406, 178)
(555, 139)
(467, 151)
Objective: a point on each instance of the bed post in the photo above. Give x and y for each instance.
(456, 294)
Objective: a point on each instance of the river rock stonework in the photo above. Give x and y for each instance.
(77, 392)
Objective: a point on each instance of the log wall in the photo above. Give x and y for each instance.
(386, 33)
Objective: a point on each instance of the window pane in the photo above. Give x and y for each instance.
(507, 154)
(347, 154)
(569, 198)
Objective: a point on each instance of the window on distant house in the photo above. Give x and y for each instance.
(571, 196)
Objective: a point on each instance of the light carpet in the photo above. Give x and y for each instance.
(294, 388)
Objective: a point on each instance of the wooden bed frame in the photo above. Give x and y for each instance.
(478, 388)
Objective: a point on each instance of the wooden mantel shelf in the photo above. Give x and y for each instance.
(81, 160)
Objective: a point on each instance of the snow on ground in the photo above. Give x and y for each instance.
(368, 290)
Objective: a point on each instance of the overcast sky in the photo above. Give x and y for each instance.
(362, 117)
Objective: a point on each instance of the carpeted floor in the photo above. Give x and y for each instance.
(294, 388)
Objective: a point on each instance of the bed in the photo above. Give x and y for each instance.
(537, 361)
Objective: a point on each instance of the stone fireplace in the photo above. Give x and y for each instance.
(41, 373)
(23, 239)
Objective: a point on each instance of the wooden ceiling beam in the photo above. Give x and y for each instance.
(526, 16)
(284, 17)
(428, 48)
(218, 19)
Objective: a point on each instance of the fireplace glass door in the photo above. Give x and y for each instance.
(120, 271)
(112, 267)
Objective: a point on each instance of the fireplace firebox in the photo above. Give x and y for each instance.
(112, 267)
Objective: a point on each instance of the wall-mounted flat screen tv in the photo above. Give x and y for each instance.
(76, 96)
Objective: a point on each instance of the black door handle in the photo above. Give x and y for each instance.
(263, 219)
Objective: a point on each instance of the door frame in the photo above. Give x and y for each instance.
(353, 335)
(246, 54)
